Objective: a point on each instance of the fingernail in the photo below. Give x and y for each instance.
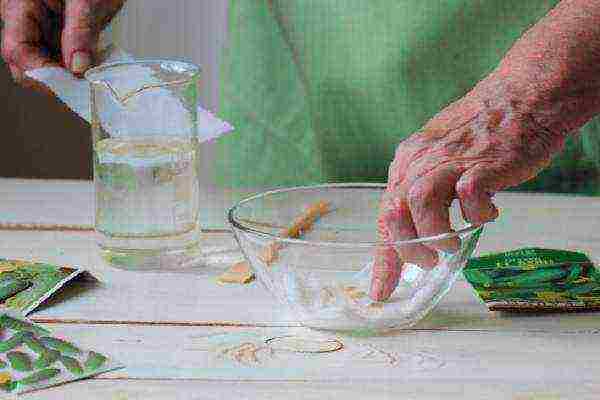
(80, 62)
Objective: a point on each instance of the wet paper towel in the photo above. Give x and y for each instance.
(75, 93)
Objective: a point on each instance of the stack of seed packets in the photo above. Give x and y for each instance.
(535, 279)
(32, 358)
(24, 285)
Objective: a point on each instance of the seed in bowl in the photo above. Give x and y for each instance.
(327, 296)
(302, 224)
(354, 293)
(375, 307)
(238, 273)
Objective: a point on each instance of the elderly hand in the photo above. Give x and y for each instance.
(479, 145)
(41, 33)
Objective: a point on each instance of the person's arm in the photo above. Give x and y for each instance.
(502, 133)
(41, 33)
(553, 71)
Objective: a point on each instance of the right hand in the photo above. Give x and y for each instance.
(42, 33)
(483, 143)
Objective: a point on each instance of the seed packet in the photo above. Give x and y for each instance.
(32, 357)
(24, 285)
(535, 279)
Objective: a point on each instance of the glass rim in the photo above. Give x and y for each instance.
(235, 223)
(191, 68)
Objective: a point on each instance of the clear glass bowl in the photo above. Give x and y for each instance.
(323, 278)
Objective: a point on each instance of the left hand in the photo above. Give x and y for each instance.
(39, 33)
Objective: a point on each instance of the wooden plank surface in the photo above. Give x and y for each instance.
(493, 389)
(193, 297)
(404, 363)
(460, 351)
(405, 357)
(46, 201)
(71, 202)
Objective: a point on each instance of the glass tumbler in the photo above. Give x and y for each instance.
(144, 129)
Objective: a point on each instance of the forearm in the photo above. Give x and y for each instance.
(553, 72)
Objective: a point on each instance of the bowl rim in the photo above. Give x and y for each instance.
(234, 223)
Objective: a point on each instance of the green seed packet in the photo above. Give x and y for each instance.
(24, 285)
(33, 358)
(535, 279)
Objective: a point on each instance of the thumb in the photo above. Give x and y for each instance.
(79, 36)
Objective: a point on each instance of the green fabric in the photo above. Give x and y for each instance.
(323, 90)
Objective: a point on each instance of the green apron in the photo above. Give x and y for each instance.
(324, 90)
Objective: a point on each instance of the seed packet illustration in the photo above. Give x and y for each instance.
(535, 279)
(33, 358)
(24, 285)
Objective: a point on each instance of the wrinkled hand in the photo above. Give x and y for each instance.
(40, 33)
(477, 146)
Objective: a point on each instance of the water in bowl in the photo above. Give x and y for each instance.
(343, 304)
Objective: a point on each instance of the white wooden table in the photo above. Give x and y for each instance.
(184, 337)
